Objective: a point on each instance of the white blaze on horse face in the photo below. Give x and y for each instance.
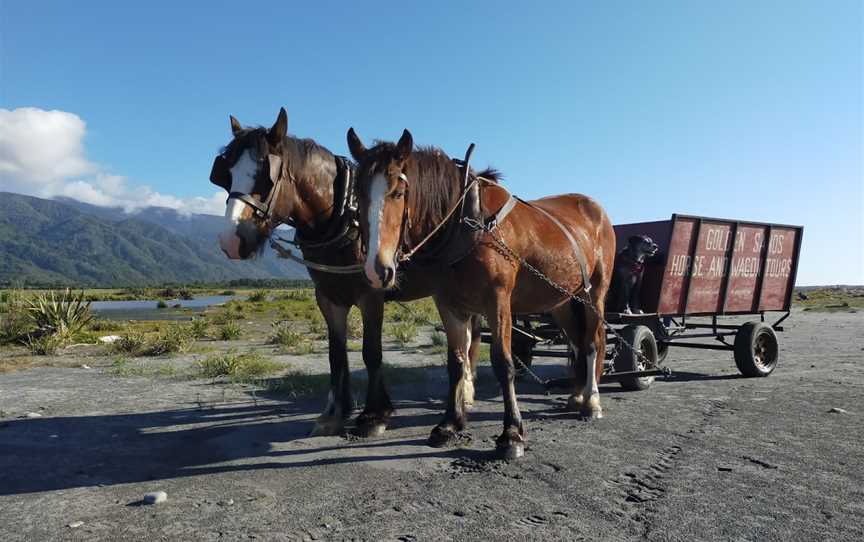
(242, 180)
(377, 191)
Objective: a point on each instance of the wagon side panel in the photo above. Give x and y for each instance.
(708, 268)
(744, 268)
(676, 271)
(778, 274)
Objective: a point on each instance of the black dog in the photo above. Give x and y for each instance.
(629, 268)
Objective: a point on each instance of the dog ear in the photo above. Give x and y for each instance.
(357, 148)
(220, 175)
(405, 145)
(235, 125)
(279, 130)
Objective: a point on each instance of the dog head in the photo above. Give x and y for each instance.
(641, 247)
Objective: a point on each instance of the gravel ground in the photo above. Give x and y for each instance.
(705, 455)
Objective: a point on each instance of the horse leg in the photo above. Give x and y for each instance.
(570, 317)
(474, 350)
(458, 329)
(470, 368)
(511, 443)
(340, 400)
(372, 422)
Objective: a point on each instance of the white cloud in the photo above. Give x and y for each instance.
(42, 154)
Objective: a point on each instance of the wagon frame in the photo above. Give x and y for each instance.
(752, 271)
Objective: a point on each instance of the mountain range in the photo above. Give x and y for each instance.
(70, 243)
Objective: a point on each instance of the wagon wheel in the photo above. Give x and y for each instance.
(643, 341)
(756, 349)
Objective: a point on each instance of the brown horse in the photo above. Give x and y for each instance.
(273, 178)
(406, 193)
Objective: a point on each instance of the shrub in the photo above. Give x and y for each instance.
(161, 304)
(240, 367)
(174, 339)
(257, 296)
(198, 328)
(284, 333)
(61, 314)
(228, 292)
(14, 327)
(230, 331)
(130, 343)
(403, 332)
(44, 345)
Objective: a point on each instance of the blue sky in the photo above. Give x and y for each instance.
(751, 110)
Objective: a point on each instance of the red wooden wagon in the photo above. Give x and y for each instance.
(706, 269)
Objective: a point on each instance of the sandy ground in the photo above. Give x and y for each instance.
(705, 455)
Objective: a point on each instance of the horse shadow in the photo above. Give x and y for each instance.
(46, 454)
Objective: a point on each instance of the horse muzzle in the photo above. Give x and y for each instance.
(381, 276)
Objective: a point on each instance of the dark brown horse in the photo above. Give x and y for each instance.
(273, 178)
(405, 193)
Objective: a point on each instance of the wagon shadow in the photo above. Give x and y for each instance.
(686, 376)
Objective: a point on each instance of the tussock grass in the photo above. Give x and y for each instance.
(100, 324)
(355, 324)
(44, 345)
(230, 331)
(285, 334)
(296, 384)
(124, 367)
(171, 341)
(402, 332)
(258, 296)
(198, 328)
(238, 367)
(129, 343)
(439, 339)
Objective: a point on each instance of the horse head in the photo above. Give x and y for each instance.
(384, 177)
(252, 170)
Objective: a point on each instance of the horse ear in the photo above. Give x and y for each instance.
(279, 129)
(405, 145)
(355, 145)
(220, 175)
(235, 125)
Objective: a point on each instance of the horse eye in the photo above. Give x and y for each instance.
(398, 194)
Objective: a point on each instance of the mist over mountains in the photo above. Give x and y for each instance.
(65, 242)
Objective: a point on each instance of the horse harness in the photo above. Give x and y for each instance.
(461, 236)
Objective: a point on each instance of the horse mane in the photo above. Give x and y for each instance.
(298, 150)
(438, 184)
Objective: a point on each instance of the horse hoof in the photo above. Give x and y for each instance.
(592, 413)
(574, 403)
(370, 429)
(447, 436)
(327, 428)
(512, 450)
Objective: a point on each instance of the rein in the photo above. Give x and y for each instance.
(407, 256)
(466, 189)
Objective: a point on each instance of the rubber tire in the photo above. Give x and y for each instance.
(756, 340)
(642, 338)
